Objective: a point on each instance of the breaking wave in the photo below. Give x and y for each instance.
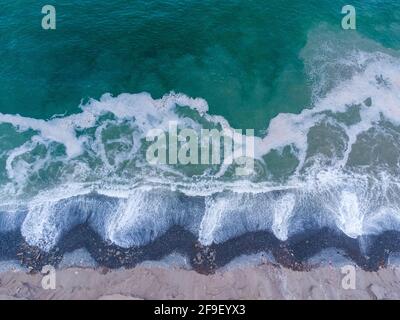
(335, 164)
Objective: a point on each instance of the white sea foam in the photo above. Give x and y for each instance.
(47, 222)
(282, 211)
(356, 92)
(146, 215)
(232, 214)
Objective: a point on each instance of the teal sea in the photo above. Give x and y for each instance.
(76, 104)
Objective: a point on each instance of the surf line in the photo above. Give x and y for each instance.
(166, 310)
(189, 147)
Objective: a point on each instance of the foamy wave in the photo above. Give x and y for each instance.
(145, 214)
(338, 161)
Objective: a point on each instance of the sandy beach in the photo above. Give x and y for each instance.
(257, 282)
(209, 150)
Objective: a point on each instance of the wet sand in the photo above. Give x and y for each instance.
(265, 281)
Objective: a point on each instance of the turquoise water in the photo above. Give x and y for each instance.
(76, 103)
(242, 57)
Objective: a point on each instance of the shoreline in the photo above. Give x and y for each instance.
(266, 281)
(369, 253)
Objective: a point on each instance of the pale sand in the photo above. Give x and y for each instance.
(259, 282)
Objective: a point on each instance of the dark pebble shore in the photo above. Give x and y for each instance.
(292, 254)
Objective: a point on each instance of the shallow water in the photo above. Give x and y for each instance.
(77, 102)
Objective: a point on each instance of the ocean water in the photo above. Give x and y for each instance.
(77, 102)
